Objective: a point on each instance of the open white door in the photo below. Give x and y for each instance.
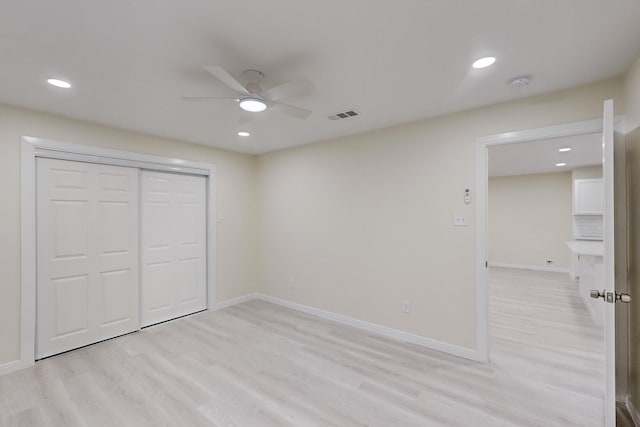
(609, 265)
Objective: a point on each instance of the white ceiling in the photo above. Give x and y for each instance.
(393, 61)
(541, 156)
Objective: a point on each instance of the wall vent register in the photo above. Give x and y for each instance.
(344, 115)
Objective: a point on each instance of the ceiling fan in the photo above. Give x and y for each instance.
(252, 98)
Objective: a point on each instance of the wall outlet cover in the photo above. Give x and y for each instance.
(404, 307)
(460, 219)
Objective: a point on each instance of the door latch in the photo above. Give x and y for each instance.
(610, 297)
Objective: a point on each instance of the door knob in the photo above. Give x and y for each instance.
(625, 298)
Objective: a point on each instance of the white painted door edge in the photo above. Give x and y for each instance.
(32, 147)
(608, 177)
(482, 170)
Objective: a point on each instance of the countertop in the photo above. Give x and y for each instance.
(585, 247)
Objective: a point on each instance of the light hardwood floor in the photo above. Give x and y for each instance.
(261, 365)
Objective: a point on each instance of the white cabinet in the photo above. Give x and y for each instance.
(592, 277)
(574, 271)
(587, 265)
(587, 196)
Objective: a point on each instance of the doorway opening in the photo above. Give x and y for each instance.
(536, 323)
(545, 252)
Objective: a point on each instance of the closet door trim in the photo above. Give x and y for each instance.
(32, 147)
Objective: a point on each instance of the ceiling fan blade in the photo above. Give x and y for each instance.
(206, 98)
(297, 112)
(289, 89)
(226, 78)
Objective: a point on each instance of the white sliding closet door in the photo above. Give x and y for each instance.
(173, 245)
(87, 231)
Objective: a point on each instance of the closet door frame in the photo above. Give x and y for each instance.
(31, 148)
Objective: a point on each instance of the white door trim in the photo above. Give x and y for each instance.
(31, 148)
(482, 180)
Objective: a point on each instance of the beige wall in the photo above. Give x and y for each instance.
(364, 222)
(587, 172)
(632, 97)
(236, 200)
(530, 219)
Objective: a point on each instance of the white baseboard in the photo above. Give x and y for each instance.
(346, 320)
(635, 415)
(234, 301)
(7, 368)
(530, 267)
(378, 329)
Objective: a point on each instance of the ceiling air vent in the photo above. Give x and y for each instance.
(343, 115)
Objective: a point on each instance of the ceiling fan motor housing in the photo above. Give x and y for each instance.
(253, 78)
(252, 98)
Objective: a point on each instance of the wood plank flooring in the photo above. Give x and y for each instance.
(257, 364)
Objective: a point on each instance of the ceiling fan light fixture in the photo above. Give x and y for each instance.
(59, 83)
(253, 104)
(484, 62)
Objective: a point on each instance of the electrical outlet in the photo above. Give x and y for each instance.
(549, 262)
(404, 307)
(460, 219)
(293, 284)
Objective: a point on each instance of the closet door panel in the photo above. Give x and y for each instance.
(117, 250)
(87, 287)
(174, 245)
(191, 209)
(64, 259)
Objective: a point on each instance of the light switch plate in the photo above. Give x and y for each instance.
(460, 219)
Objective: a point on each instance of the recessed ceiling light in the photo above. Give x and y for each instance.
(243, 133)
(253, 104)
(484, 62)
(561, 164)
(564, 150)
(59, 83)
